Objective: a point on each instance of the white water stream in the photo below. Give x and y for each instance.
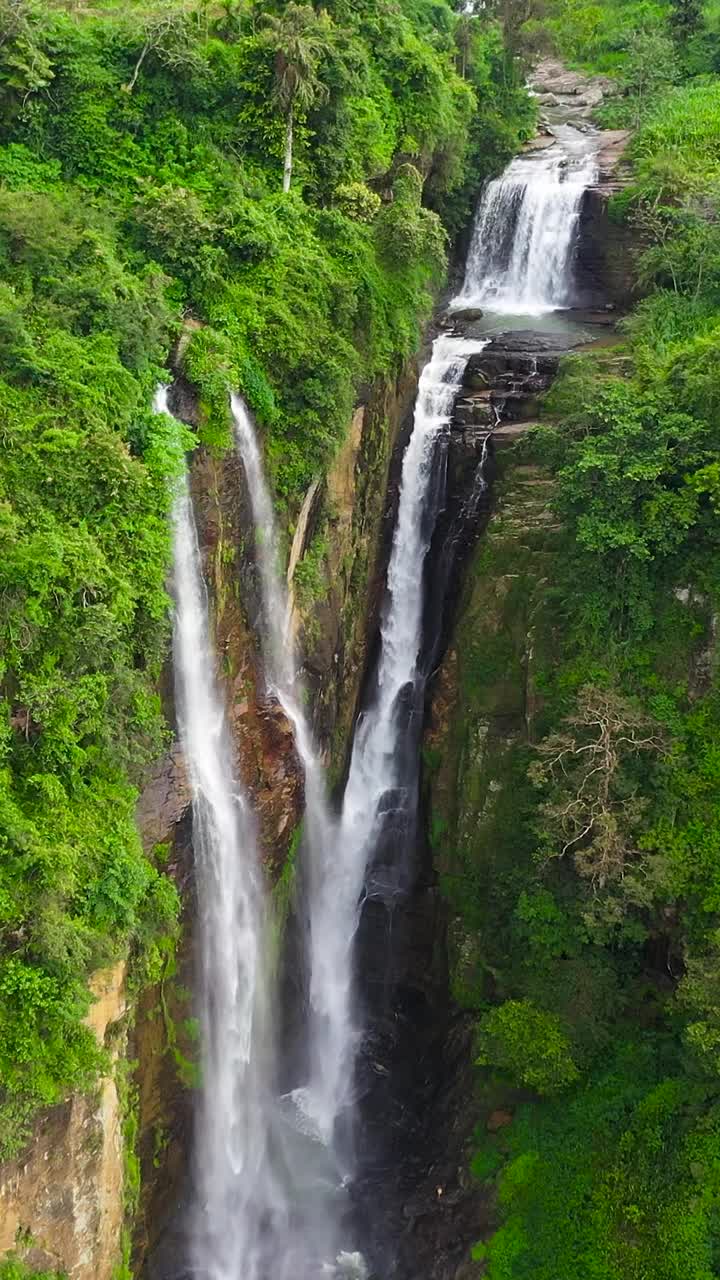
(237, 1195)
(312, 1108)
(520, 256)
(315, 1099)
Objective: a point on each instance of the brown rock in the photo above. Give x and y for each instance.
(498, 1120)
(66, 1191)
(163, 800)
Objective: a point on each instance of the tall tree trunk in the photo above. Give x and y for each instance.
(287, 171)
(145, 51)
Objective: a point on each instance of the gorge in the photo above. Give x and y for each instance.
(358, 855)
(290, 1212)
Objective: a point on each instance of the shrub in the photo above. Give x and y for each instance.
(527, 1044)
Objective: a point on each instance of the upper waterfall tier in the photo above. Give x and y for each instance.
(521, 253)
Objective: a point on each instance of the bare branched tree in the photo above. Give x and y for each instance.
(594, 809)
(167, 34)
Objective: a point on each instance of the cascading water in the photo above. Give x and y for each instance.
(520, 258)
(311, 1108)
(520, 261)
(284, 682)
(267, 1207)
(338, 854)
(381, 791)
(240, 1204)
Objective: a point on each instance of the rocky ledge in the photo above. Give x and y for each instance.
(568, 97)
(503, 383)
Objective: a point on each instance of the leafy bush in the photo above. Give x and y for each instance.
(357, 201)
(529, 1044)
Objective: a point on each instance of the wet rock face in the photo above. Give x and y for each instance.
(503, 382)
(338, 629)
(606, 250)
(415, 1208)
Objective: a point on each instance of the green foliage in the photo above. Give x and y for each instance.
(309, 579)
(14, 1269)
(357, 201)
(644, 45)
(529, 1044)
(650, 65)
(617, 1180)
(84, 495)
(406, 231)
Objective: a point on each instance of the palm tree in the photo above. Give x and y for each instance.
(299, 39)
(464, 32)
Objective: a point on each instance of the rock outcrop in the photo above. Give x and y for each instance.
(61, 1203)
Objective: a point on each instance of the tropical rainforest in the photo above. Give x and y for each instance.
(280, 187)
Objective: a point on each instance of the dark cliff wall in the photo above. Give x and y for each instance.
(605, 252)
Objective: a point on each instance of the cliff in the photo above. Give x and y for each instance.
(64, 1204)
(333, 622)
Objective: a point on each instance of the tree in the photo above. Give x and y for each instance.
(464, 32)
(594, 809)
(651, 66)
(167, 34)
(513, 15)
(529, 1044)
(25, 67)
(686, 17)
(299, 40)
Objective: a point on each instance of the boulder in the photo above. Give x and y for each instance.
(460, 314)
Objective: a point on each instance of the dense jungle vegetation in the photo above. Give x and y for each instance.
(594, 892)
(144, 148)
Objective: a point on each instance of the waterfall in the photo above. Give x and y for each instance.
(380, 795)
(278, 649)
(320, 830)
(239, 1200)
(338, 854)
(520, 258)
(271, 1169)
(371, 792)
(311, 1108)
